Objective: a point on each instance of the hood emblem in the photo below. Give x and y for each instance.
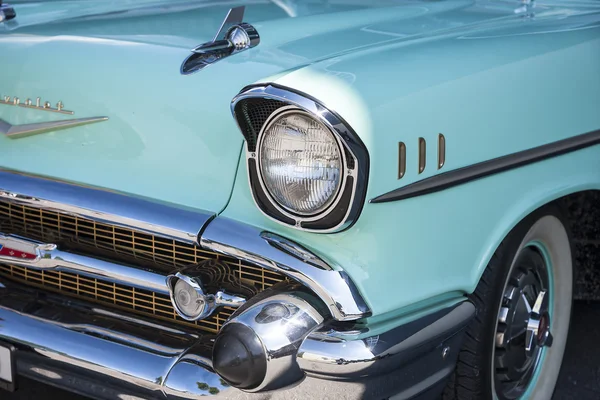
(20, 131)
(233, 36)
(16, 248)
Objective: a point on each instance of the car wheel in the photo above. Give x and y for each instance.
(514, 347)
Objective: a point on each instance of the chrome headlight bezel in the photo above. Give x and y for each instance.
(254, 108)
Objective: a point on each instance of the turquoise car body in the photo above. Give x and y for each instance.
(494, 77)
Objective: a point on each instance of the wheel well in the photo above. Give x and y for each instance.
(582, 211)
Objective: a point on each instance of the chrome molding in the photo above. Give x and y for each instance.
(248, 243)
(46, 256)
(338, 354)
(295, 250)
(102, 205)
(25, 130)
(350, 143)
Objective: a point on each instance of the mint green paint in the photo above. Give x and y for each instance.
(169, 136)
(492, 80)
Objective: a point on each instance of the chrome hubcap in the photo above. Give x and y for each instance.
(523, 326)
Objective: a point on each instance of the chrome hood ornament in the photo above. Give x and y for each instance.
(6, 12)
(233, 36)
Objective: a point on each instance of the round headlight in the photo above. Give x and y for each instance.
(300, 162)
(189, 302)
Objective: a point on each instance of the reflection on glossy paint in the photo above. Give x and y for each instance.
(46, 373)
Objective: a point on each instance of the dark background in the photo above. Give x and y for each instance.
(579, 379)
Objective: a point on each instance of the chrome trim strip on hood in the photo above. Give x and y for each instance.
(119, 209)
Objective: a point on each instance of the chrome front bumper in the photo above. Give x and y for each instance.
(106, 355)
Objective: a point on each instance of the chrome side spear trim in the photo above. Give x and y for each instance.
(21, 131)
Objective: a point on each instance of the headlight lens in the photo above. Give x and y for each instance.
(301, 163)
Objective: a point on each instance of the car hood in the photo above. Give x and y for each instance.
(169, 136)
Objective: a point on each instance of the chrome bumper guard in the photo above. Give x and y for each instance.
(108, 355)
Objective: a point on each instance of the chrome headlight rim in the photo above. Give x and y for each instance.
(253, 106)
(334, 199)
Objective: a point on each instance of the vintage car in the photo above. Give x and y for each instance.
(295, 199)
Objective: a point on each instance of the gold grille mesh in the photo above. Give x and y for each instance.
(165, 254)
(128, 298)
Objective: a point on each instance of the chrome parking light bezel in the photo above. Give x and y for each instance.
(211, 301)
(208, 302)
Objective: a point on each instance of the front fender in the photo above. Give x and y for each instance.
(492, 91)
(410, 253)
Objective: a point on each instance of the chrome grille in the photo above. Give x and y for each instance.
(146, 250)
(114, 295)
